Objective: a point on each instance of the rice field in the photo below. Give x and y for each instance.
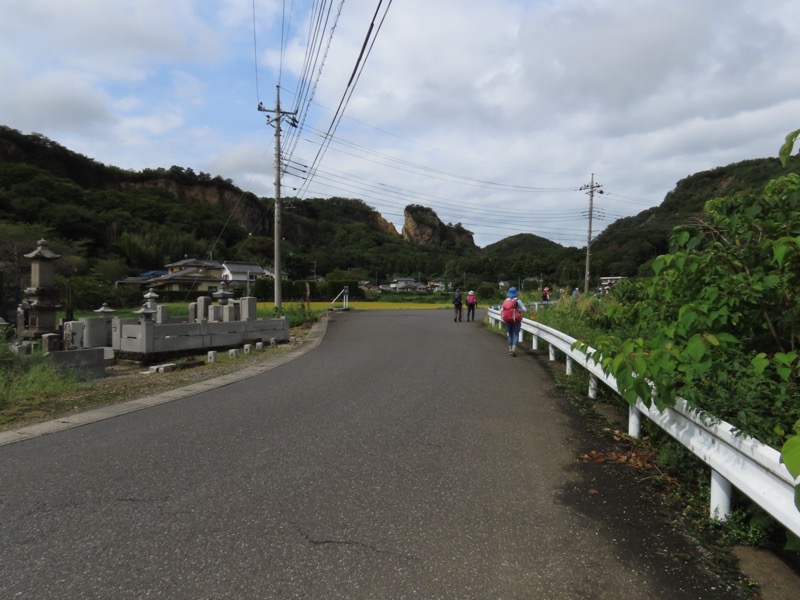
(321, 306)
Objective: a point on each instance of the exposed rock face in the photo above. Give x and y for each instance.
(422, 227)
(378, 222)
(250, 213)
(463, 236)
(253, 215)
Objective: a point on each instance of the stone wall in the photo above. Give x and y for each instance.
(148, 342)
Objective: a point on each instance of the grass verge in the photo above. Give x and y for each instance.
(44, 393)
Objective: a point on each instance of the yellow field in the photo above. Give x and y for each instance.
(374, 305)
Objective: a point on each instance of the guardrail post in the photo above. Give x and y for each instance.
(634, 422)
(552, 352)
(592, 386)
(569, 365)
(720, 496)
(535, 343)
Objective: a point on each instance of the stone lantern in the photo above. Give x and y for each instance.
(104, 310)
(36, 314)
(149, 308)
(223, 294)
(99, 330)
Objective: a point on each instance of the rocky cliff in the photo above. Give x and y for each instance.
(253, 215)
(376, 221)
(422, 227)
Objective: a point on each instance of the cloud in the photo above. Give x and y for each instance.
(491, 113)
(59, 101)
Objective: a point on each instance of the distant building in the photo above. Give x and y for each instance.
(269, 273)
(404, 284)
(190, 279)
(188, 275)
(437, 285)
(609, 282)
(211, 267)
(241, 272)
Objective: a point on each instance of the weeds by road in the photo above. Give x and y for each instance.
(57, 395)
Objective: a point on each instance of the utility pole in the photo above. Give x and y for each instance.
(276, 122)
(591, 187)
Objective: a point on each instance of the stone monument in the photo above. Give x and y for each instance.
(36, 314)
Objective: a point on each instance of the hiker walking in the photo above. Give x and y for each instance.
(472, 303)
(511, 313)
(457, 306)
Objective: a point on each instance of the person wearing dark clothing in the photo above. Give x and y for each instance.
(457, 305)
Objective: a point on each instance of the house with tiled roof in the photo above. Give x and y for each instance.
(241, 272)
(188, 275)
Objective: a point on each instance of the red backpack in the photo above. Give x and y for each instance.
(510, 311)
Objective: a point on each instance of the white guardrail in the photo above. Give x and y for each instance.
(735, 460)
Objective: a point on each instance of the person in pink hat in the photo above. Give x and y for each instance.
(472, 304)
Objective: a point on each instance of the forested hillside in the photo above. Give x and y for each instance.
(628, 246)
(109, 223)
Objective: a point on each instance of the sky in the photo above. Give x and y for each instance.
(497, 115)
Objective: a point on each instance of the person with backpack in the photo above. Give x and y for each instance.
(511, 313)
(472, 303)
(457, 303)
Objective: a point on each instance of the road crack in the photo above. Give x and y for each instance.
(336, 542)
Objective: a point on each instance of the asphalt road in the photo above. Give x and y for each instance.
(405, 457)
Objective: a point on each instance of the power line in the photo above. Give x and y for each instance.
(255, 52)
(314, 61)
(305, 95)
(357, 69)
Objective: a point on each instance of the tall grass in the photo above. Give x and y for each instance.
(583, 318)
(30, 385)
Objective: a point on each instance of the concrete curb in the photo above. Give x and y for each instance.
(311, 341)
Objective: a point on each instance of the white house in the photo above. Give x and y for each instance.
(236, 272)
(437, 285)
(404, 284)
(269, 273)
(606, 283)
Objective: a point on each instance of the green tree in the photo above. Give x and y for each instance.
(718, 322)
(110, 270)
(791, 449)
(722, 309)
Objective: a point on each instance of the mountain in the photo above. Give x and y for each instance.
(134, 221)
(629, 245)
(522, 243)
(422, 227)
(110, 223)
